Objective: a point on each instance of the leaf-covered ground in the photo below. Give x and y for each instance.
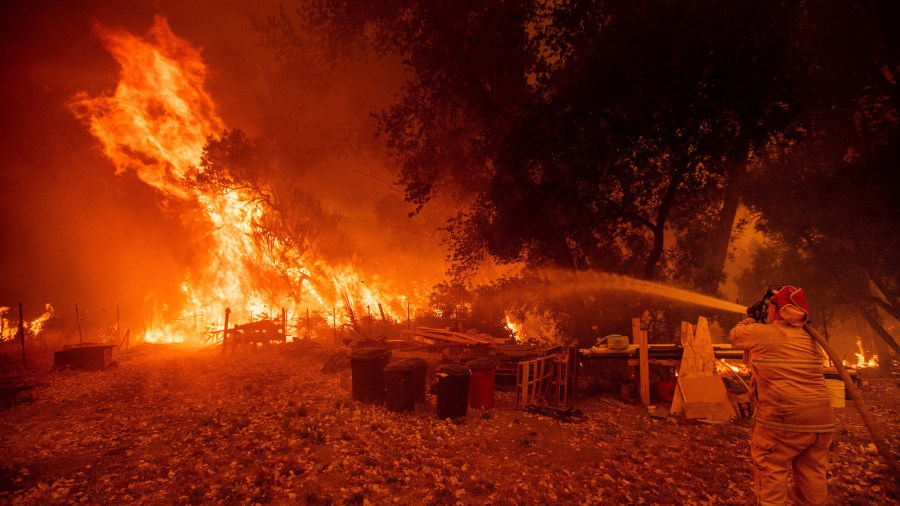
(169, 426)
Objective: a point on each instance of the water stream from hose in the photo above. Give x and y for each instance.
(592, 282)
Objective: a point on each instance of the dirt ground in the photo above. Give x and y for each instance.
(170, 426)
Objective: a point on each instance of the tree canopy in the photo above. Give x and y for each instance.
(829, 200)
(623, 136)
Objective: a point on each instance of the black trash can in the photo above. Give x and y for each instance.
(452, 389)
(398, 378)
(367, 366)
(419, 367)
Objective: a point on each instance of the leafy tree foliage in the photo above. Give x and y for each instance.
(831, 197)
(583, 131)
(645, 114)
(622, 136)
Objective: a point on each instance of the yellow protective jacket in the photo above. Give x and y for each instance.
(788, 384)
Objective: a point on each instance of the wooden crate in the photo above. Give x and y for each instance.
(87, 356)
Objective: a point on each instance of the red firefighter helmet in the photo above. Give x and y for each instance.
(791, 304)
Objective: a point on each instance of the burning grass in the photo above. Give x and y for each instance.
(174, 427)
(39, 350)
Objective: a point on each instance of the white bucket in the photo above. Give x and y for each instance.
(836, 388)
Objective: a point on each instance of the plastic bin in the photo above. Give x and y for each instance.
(481, 383)
(665, 390)
(367, 366)
(398, 379)
(836, 389)
(452, 390)
(419, 367)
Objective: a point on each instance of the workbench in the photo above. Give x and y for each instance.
(667, 355)
(657, 352)
(670, 355)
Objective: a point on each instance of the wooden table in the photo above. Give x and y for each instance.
(643, 354)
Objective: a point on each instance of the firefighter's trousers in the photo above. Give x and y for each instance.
(777, 453)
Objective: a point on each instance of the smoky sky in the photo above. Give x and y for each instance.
(76, 232)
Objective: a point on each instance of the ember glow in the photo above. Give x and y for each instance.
(156, 124)
(726, 367)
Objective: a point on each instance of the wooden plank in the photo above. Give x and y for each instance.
(456, 337)
(547, 380)
(703, 349)
(687, 340)
(567, 377)
(697, 361)
(574, 357)
(706, 397)
(640, 338)
(443, 337)
(462, 335)
(521, 381)
(687, 333)
(669, 362)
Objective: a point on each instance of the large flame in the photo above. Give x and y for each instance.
(160, 115)
(515, 329)
(861, 361)
(9, 329)
(156, 124)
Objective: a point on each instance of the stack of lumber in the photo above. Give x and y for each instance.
(430, 335)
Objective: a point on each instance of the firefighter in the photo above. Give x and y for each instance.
(794, 419)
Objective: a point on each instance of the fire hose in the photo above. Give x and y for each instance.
(877, 436)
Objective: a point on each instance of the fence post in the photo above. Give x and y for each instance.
(22, 334)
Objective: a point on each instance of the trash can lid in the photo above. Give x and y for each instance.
(414, 361)
(370, 352)
(400, 365)
(453, 370)
(481, 364)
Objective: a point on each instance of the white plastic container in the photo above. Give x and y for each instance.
(836, 388)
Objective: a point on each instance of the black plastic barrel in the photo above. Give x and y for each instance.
(419, 367)
(452, 390)
(367, 366)
(398, 378)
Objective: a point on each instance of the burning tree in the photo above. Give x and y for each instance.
(263, 238)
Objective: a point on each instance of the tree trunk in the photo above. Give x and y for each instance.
(884, 352)
(653, 258)
(879, 329)
(662, 216)
(721, 238)
(565, 261)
